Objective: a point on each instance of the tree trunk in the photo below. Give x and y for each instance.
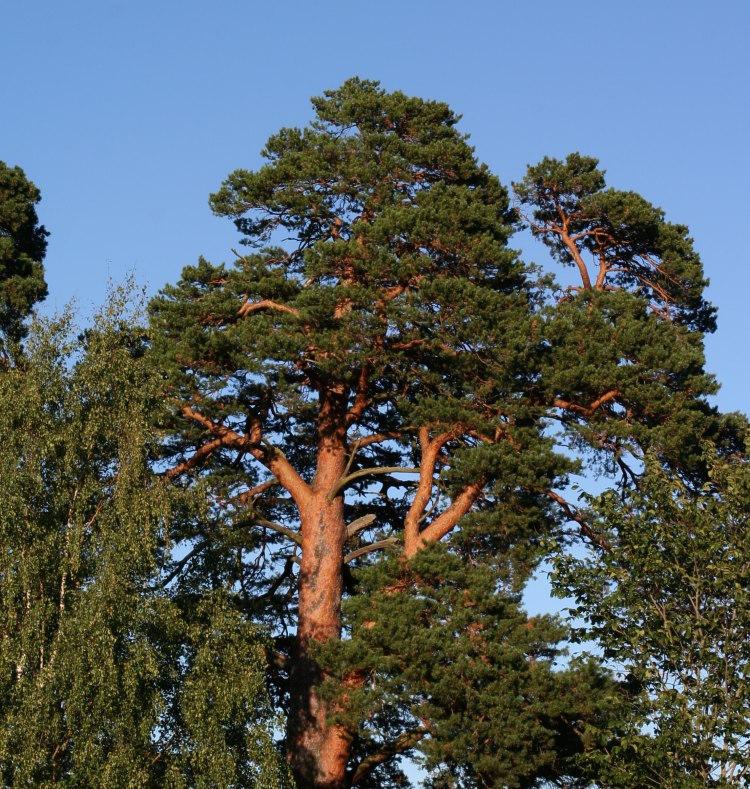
(318, 751)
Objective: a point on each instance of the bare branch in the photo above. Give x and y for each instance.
(271, 457)
(374, 546)
(404, 742)
(379, 438)
(369, 472)
(180, 566)
(277, 527)
(359, 524)
(247, 495)
(573, 514)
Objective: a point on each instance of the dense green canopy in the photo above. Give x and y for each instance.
(108, 679)
(23, 243)
(669, 603)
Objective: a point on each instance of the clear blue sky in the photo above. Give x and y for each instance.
(128, 114)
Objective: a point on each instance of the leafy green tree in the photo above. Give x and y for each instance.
(379, 374)
(668, 602)
(23, 244)
(107, 679)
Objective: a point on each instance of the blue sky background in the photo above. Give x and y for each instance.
(128, 114)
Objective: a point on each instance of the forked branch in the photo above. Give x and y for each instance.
(591, 408)
(369, 472)
(430, 450)
(271, 457)
(447, 520)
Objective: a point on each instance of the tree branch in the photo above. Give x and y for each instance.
(178, 568)
(369, 472)
(430, 451)
(404, 742)
(447, 521)
(246, 495)
(373, 546)
(359, 524)
(586, 410)
(361, 400)
(277, 527)
(580, 264)
(198, 457)
(573, 514)
(266, 304)
(271, 457)
(379, 438)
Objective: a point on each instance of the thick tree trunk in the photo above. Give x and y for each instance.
(318, 751)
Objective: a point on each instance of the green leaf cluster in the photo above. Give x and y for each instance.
(669, 606)
(106, 678)
(623, 360)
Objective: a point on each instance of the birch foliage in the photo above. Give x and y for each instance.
(106, 679)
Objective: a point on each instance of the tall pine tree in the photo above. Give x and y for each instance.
(375, 378)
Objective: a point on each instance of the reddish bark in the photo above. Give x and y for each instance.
(319, 751)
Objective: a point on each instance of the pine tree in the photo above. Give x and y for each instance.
(23, 244)
(369, 395)
(363, 385)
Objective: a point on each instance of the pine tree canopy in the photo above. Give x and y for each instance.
(23, 243)
(397, 323)
(379, 374)
(624, 368)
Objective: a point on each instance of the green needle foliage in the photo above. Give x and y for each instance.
(106, 679)
(624, 369)
(631, 245)
(23, 243)
(669, 604)
(370, 376)
(441, 654)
